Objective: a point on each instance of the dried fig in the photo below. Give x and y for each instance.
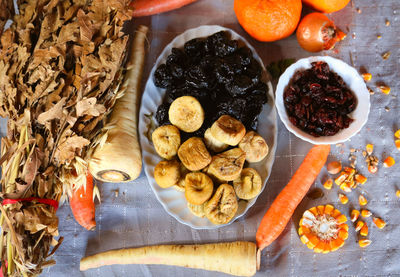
(222, 207)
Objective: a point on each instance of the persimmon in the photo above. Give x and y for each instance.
(268, 20)
(316, 32)
(327, 6)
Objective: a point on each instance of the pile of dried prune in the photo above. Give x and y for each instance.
(318, 101)
(222, 75)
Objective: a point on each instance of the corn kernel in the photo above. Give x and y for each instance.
(328, 183)
(364, 230)
(397, 134)
(362, 200)
(343, 198)
(345, 187)
(397, 143)
(380, 223)
(360, 179)
(334, 167)
(372, 168)
(354, 215)
(340, 179)
(389, 162)
(364, 242)
(366, 213)
(359, 225)
(387, 22)
(369, 148)
(341, 219)
(384, 89)
(398, 193)
(366, 76)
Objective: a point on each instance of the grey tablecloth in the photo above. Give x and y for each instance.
(135, 218)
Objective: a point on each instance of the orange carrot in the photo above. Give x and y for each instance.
(82, 204)
(150, 7)
(281, 210)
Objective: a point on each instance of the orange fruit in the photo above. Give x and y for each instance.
(327, 6)
(268, 20)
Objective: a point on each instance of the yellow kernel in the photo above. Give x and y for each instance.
(380, 223)
(398, 193)
(366, 213)
(372, 168)
(364, 230)
(397, 134)
(378, 36)
(387, 22)
(386, 55)
(354, 215)
(389, 162)
(359, 225)
(328, 183)
(343, 198)
(345, 187)
(369, 147)
(362, 200)
(367, 76)
(340, 179)
(360, 179)
(384, 89)
(397, 143)
(334, 167)
(364, 242)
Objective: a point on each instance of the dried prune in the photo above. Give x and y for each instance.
(239, 85)
(162, 114)
(318, 101)
(194, 47)
(162, 77)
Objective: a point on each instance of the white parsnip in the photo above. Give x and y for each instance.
(236, 258)
(119, 159)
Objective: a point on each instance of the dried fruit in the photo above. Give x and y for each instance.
(389, 162)
(354, 215)
(343, 198)
(362, 200)
(334, 167)
(364, 230)
(380, 223)
(323, 229)
(359, 225)
(384, 89)
(397, 144)
(364, 242)
(328, 183)
(369, 148)
(366, 213)
(367, 76)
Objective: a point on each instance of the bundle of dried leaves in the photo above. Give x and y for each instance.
(60, 71)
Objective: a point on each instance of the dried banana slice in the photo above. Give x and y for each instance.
(222, 207)
(255, 147)
(212, 143)
(166, 140)
(248, 185)
(167, 173)
(227, 165)
(198, 188)
(197, 210)
(186, 113)
(228, 130)
(180, 186)
(193, 154)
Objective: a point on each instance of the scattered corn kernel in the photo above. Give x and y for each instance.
(334, 167)
(341, 219)
(345, 187)
(384, 89)
(389, 162)
(328, 183)
(360, 179)
(366, 213)
(358, 10)
(386, 55)
(378, 36)
(397, 134)
(372, 168)
(354, 215)
(343, 198)
(397, 143)
(359, 225)
(398, 193)
(364, 242)
(387, 22)
(370, 148)
(362, 200)
(380, 223)
(340, 179)
(364, 230)
(367, 76)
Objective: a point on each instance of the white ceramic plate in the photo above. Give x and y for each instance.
(353, 80)
(173, 201)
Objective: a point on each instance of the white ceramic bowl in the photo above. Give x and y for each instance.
(353, 80)
(173, 201)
